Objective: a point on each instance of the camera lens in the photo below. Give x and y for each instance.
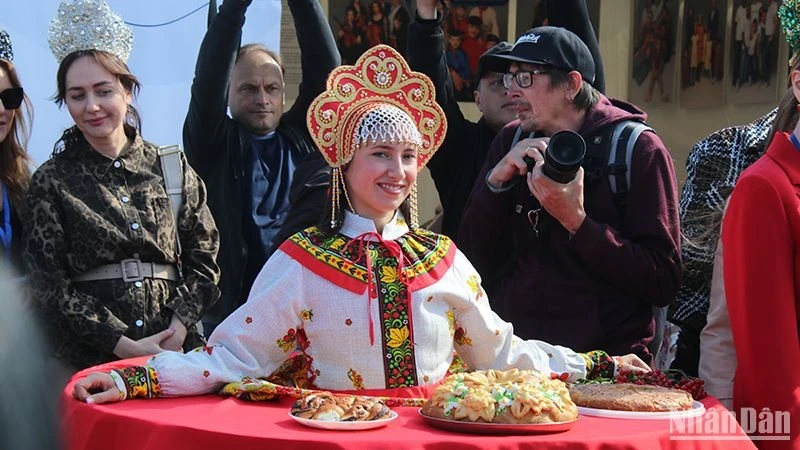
(564, 156)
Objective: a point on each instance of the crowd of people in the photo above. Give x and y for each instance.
(285, 242)
(382, 22)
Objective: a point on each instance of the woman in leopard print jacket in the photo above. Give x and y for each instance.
(114, 273)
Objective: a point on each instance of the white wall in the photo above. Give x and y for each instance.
(163, 58)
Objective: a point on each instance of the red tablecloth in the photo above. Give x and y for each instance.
(215, 422)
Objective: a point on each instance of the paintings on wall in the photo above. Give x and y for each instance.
(723, 51)
(756, 41)
(654, 51)
(702, 54)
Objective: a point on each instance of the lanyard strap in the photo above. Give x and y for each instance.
(5, 232)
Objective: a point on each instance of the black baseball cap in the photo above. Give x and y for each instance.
(488, 61)
(551, 46)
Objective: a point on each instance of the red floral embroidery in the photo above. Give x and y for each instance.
(461, 338)
(248, 320)
(563, 376)
(287, 342)
(356, 379)
(348, 322)
(206, 373)
(208, 349)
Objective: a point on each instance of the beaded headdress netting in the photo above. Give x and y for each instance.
(379, 99)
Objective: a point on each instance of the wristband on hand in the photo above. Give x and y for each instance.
(138, 382)
(599, 365)
(123, 390)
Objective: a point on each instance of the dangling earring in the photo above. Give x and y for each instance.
(334, 195)
(412, 207)
(337, 184)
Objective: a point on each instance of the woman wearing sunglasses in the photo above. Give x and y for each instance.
(14, 169)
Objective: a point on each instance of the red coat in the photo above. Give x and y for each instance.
(761, 238)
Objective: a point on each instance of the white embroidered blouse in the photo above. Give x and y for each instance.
(343, 304)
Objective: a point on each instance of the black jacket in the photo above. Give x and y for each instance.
(458, 161)
(215, 144)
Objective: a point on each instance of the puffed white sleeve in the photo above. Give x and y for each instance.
(246, 343)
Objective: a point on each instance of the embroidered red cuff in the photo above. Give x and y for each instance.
(140, 381)
(598, 364)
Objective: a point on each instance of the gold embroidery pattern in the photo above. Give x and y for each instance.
(356, 379)
(423, 249)
(474, 285)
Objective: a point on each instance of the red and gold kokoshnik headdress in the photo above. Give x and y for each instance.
(378, 100)
(380, 77)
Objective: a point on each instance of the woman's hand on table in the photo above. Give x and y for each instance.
(631, 363)
(98, 388)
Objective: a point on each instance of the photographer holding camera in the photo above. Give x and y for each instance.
(578, 258)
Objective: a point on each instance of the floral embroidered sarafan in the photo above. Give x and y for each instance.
(428, 256)
(347, 263)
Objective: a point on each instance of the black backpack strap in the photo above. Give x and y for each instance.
(620, 154)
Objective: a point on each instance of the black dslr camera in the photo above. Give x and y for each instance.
(563, 157)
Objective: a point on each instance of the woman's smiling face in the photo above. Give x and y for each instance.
(380, 177)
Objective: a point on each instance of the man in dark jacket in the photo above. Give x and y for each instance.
(584, 273)
(455, 166)
(248, 161)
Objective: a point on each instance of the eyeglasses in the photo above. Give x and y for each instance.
(524, 78)
(11, 98)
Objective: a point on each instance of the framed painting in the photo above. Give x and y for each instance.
(654, 51)
(702, 53)
(757, 45)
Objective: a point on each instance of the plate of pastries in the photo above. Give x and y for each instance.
(501, 402)
(329, 411)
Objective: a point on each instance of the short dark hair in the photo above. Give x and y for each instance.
(474, 20)
(257, 47)
(587, 95)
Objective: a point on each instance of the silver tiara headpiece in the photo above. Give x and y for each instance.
(87, 25)
(6, 52)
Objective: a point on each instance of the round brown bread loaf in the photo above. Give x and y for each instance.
(630, 397)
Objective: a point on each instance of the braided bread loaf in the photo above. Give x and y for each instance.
(510, 397)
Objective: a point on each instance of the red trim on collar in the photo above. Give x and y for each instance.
(325, 271)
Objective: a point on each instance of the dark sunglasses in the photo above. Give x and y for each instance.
(11, 98)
